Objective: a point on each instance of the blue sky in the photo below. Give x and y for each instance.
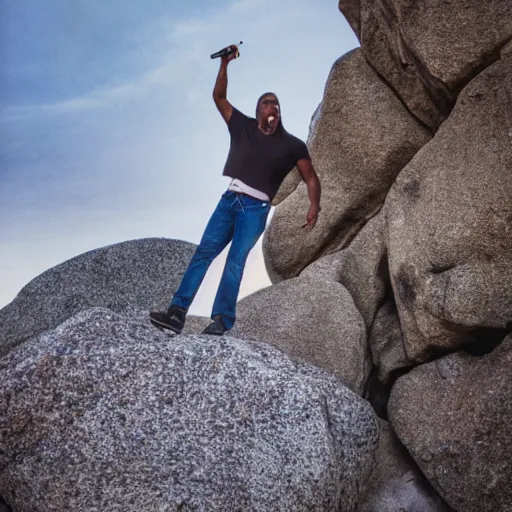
(107, 127)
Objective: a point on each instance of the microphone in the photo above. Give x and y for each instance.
(226, 51)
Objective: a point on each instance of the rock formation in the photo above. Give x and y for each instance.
(449, 224)
(130, 276)
(428, 51)
(400, 297)
(423, 244)
(355, 176)
(313, 320)
(454, 415)
(396, 483)
(103, 413)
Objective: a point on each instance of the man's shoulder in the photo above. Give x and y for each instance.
(298, 146)
(239, 115)
(239, 121)
(294, 140)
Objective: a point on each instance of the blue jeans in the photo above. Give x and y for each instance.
(237, 218)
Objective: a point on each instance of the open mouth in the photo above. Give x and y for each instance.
(271, 123)
(268, 127)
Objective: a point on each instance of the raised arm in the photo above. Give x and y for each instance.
(221, 88)
(310, 177)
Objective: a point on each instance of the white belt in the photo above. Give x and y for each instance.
(237, 185)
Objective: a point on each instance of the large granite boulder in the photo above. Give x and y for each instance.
(427, 51)
(454, 416)
(449, 218)
(105, 414)
(361, 139)
(312, 320)
(125, 277)
(396, 483)
(361, 268)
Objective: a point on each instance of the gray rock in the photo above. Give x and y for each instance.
(506, 50)
(289, 184)
(139, 274)
(454, 416)
(396, 483)
(449, 218)
(351, 9)
(361, 139)
(428, 51)
(312, 320)
(361, 268)
(106, 414)
(386, 344)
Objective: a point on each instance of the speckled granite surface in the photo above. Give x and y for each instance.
(108, 414)
(139, 274)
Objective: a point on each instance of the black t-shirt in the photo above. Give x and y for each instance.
(261, 161)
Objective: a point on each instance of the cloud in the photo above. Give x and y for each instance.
(182, 45)
(99, 98)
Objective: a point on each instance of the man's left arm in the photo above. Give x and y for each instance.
(310, 177)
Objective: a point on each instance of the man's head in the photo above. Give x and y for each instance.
(268, 113)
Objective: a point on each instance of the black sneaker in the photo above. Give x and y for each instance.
(217, 327)
(173, 320)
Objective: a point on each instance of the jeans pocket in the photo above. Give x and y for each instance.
(255, 204)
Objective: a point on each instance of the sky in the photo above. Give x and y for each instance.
(108, 130)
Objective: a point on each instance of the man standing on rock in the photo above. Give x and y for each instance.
(261, 154)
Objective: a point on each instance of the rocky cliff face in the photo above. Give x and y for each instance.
(428, 51)
(400, 298)
(431, 272)
(355, 175)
